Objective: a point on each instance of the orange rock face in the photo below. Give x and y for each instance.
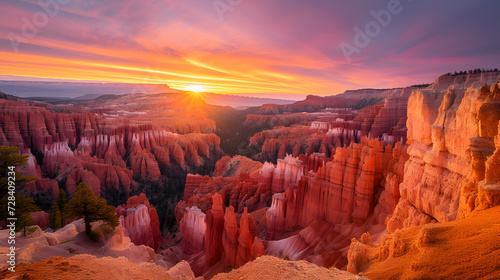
(343, 189)
(139, 221)
(438, 250)
(215, 227)
(240, 192)
(452, 133)
(229, 167)
(239, 242)
(393, 177)
(193, 230)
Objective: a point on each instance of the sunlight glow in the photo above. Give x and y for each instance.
(195, 88)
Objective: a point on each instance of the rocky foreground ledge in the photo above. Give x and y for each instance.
(90, 267)
(268, 267)
(86, 266)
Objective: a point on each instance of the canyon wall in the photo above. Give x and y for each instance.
(344, 190)
(451, 135)
(451, 173)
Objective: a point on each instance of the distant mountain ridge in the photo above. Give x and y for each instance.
(61, 92)
(241, 102)
(66, 90)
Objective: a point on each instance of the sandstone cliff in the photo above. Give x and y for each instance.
(451, 135)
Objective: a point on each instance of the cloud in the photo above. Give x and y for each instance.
(260, 46)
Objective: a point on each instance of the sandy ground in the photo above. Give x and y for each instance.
(87, 267)
(270, 268)
(36, 249)
(463, 249)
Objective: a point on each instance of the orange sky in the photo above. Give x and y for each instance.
(253, 48)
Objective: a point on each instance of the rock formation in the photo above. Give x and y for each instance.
(193, 230)
(333, 169)
(389, 197)
(436, 249)
(113, 152)
(343, 189)
(214, 228)
(139, 221)
(239, 242)
(270, 121)
(337, 128)
(284, 175)
(240, 191)
(229, 167)
(451, 139)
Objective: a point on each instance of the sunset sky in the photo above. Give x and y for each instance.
(248, 47)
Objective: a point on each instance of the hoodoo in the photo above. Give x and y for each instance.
(274, 152)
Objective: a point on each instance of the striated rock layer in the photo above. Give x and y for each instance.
(139, 221)
(452, 155)
(342, 191)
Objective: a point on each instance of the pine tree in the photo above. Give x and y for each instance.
(61, 203)
(23, 205)
(9, 157)
(55, 217)
(84, 204)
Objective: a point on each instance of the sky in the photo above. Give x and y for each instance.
(269, 48)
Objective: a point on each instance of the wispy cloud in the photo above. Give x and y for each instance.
(261, 46)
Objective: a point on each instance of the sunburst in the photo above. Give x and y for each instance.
(195, 88)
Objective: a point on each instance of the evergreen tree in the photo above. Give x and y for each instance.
(84, 204)
(55, 217)
(23, 205)
(61, 203)
(9, 157)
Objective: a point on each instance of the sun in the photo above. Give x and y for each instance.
(195, 88)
